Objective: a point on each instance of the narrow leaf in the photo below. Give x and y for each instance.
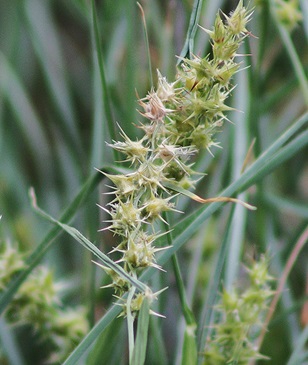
(189, 353)
(47, 241)
(178, 189)
(142, 334)
(193, 25)
(89, 246)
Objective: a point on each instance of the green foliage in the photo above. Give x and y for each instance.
(69, 73)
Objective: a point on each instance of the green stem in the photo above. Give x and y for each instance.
(107, 102)
(130, 323)
(189, 318)
(295, 61)
(193, 25)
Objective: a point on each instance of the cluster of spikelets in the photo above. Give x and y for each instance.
(182, 118)
(240, 320)
(38, 304)
(288, 13)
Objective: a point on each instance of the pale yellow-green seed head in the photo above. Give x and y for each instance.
(288, 13)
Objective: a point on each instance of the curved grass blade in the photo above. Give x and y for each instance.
(105, 350)
(178, 189)
(93, 335)
(192, 28)
(142, 334)
(89, 246)
(281, 156)
(47, 241)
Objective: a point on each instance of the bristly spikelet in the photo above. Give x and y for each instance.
(288, 13)
(183, 117)
(241, 316)
(37, 304)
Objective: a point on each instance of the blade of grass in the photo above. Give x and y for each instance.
(142, 334)
(286, 205)
(291, 51)
(213, 289)
(29, 123)
(89, 246)
(299, 354)
(9, 344)
(240, 137)
(104, 86)
(283, 155)
(188, 48)
(146, 43)
(107, 344)
(303, 239)
(37, 254)
(46, 42)
(93, 335)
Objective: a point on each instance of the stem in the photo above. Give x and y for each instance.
(130, 323)
(295, 61)
(106, 96)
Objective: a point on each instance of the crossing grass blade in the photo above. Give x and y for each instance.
(193, 25)
(89, 246)
(139, 352)
(38, 253)
(93, 335)
(300, 354)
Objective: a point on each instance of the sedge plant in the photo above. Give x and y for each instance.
(162, 231)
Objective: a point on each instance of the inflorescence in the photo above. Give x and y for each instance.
(182, 118)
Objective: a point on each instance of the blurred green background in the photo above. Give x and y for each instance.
(54, 124)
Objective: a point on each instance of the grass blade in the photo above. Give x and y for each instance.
(28, 121)
(299, 354)
(189, 225)
(92, 336)
(142, 334)
(213, 290)
(46, 42)
(291, 51)
(107, 102)
(89, 246)
(192, 28)
(45, 244)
